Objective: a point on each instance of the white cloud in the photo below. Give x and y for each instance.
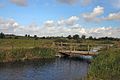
(105, 31)
(68, 22)
(8, 26)
(93, 15)
(112, 16)
(51, 28)
(49, 23)
(72, 20)
(96, 14)
(78, 29)
(19, 2)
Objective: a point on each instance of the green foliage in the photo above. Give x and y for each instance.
(2, 35)
(83, 37)
(16, 37)
(24, 43)
(106, 66)
(23, 54)
(2, 56)
(61, 40)
(69, 37)
(43, 52)
(35, 37)
(90, 38)
(26, 35)
(76, 37)
(107, 42)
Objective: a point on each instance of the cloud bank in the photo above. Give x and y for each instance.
(64, 27)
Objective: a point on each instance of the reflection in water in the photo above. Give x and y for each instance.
(45, 69)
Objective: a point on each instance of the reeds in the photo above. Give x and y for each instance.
(22, 54)
(106, 66)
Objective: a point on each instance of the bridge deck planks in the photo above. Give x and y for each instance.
(78, 53)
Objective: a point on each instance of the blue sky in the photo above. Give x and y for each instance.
(89, 15)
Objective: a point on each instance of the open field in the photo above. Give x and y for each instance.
(24, 43)
(31, 43)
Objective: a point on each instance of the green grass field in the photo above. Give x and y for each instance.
(8, 44)
(24, 43)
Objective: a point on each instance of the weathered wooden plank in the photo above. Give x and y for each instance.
(78, 53)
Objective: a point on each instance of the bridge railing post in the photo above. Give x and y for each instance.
(70, 46)
(88, 48)
(61, 45)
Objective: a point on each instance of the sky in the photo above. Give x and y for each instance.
(97, 18)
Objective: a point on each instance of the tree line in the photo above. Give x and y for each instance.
(75, 37)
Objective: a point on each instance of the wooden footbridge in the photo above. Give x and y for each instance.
(77, 53)
(74, 49)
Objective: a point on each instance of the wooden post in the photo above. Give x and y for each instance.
(91, 48)
(108, 46)
(60, 43)
(61, 46)
(12, 46)
(88, 48)
(53, 45)
(74, 48)
(70, 47)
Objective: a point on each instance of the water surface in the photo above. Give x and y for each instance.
(45, 69)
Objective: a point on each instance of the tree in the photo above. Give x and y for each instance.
(90, 38)
(83, 36)
(2, 35)
(35, 36)
(69, 37)
(26, 35)
(94, 38)
(76, 36)
(43, 37)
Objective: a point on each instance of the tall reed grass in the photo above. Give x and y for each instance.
(23, 54)
(106, 66)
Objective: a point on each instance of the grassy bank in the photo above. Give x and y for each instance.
(24, 43)
(106, 66)
(22, 54)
